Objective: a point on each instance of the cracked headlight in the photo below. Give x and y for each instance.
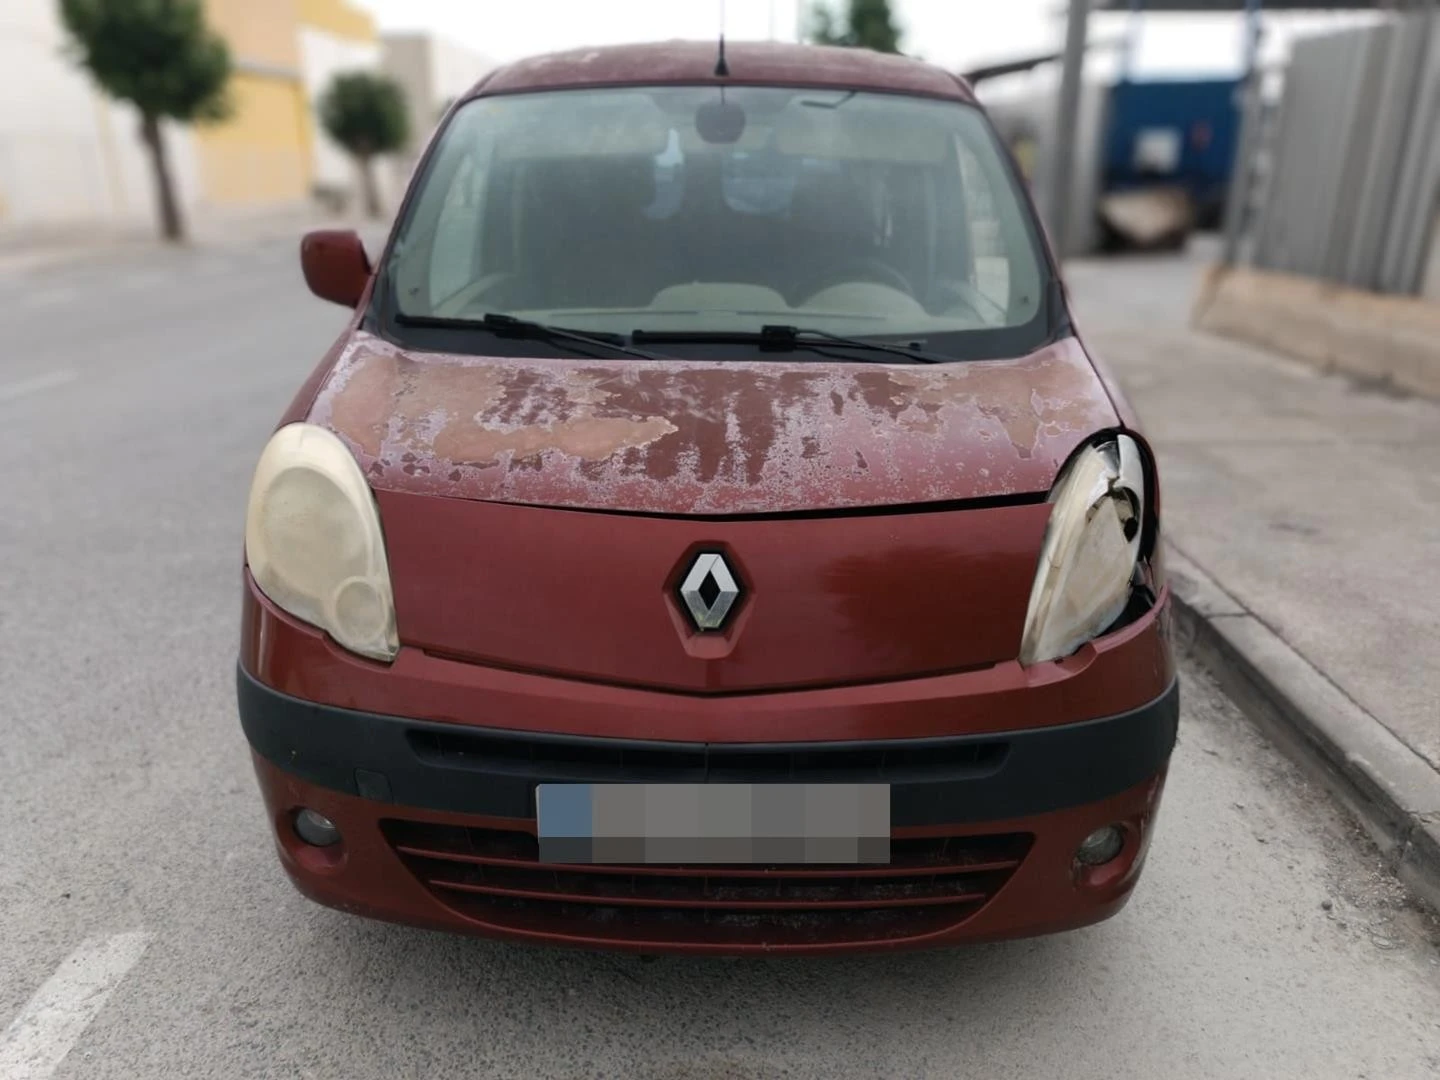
(1091, 550)
(313, 540)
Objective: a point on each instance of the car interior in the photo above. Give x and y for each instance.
(781, 226)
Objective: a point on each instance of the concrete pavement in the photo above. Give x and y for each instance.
(140, 898)
(1313, 502)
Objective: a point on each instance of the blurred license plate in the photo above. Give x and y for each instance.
(682, 824)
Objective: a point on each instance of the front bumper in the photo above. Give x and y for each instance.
(437, 821)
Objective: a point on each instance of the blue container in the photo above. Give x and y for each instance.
(1174, 133)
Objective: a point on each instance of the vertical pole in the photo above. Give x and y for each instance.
(1132, 40)
(1246, 140)
(1058, 180)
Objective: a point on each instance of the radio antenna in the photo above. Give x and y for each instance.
(722, 69)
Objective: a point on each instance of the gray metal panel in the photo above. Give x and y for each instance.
(1341, 151)
(1359, 141)
(1309, 163)
(1239, 5)
(1416, 195)
(1400, 65)
(1355, 161)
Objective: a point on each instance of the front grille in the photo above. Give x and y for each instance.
(622, 761)
(494, 876)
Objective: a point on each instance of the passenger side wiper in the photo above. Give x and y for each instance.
(509, 326)
(776, 338)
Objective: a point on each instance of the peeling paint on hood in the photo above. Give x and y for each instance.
(696, 437)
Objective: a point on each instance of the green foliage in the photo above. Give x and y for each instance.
(158, 54)
(365, 113)
(868, 24)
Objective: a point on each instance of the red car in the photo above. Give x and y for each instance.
(710, 533)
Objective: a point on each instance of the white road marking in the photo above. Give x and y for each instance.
(52, 1021)
(11, 391)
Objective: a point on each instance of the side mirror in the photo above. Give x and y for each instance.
(335, 265)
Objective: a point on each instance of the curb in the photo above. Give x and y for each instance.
(1390, 789)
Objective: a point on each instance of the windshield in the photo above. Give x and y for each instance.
(682, 209)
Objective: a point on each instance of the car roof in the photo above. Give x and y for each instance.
(750, 62)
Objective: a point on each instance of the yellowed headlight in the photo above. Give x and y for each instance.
(313, 540)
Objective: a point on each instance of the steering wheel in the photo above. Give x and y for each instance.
(858, 268)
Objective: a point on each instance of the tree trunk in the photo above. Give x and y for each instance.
(368, 186)
(172, 228)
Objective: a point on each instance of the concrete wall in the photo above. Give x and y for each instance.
(71, 157)
(1385, 339)
(336, 37)
(406, 59)
(68, 155)
(323, 56)
(432, 72)
(455, 70)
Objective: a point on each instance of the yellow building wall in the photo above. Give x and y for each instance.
(260, 154)
(339, 18)
(258, 31)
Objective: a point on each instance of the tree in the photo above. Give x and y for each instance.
(159, 56)
(365, 113)
(869, 24)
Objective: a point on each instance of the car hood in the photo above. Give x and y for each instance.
(696, 437)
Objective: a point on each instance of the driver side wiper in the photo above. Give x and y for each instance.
(509, 326)
(776, 338)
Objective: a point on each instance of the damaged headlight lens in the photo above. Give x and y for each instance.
(313, 540)
(1091, 550)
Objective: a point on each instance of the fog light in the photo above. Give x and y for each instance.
(1100, 846)
(316, 829)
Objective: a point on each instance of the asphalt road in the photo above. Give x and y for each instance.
(145, 925)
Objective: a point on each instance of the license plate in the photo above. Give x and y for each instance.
(693, 824)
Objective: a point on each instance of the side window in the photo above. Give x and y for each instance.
(982, 222)
(454, 258)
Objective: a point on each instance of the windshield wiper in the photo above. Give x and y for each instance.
(775, 338)
(509, 326)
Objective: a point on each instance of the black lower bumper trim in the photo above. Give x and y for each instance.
(492, 772)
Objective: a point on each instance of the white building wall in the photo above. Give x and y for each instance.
(323, 56)
(68, 155)
(407, 61)
(432, 71)
(454, 70)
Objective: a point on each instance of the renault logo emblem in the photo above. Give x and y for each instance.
(709, 591)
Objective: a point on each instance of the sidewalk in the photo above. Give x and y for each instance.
(1311, 503)
(23, 250)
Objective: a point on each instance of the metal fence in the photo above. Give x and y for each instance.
(1353, 159)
